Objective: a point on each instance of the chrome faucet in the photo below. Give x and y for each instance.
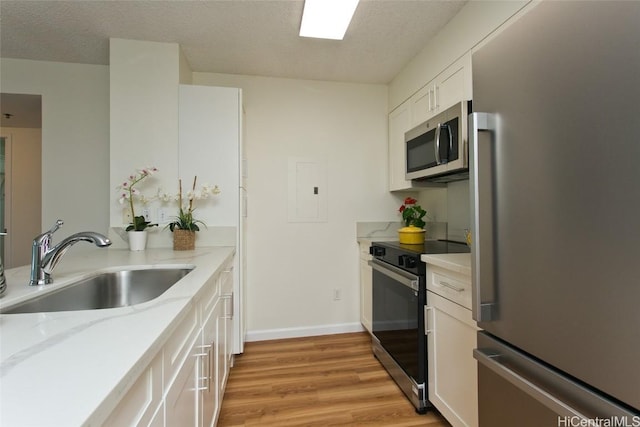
(45, 259)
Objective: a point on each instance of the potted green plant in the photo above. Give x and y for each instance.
(137, 229)
(184, 225)
(412, 215)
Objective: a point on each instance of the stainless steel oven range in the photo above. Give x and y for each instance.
(399, 299)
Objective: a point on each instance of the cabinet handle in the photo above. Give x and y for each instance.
(205, 378)
(450, 286)
(427, 322)
(544, 397)
(436, 95)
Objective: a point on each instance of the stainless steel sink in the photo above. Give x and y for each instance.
(105, 290)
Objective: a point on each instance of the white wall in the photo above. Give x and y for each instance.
(294, 267)
(75, 139)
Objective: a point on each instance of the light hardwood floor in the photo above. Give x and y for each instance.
(331, 380)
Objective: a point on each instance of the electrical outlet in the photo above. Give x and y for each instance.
(146, 214)
(126, 216)
(337, 294)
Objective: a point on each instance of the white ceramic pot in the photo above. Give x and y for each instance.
(137, 240)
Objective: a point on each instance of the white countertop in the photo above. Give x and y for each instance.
(460, 263)
(71, 368)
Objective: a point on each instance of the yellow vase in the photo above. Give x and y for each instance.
(411, 235)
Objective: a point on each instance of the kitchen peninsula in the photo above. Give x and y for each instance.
(74, 367)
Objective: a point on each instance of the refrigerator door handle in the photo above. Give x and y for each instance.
(484, 307)
(492, 361)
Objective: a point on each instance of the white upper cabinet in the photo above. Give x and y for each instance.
(454, 84)
(422, 104)
(399, 123)
(449, 87)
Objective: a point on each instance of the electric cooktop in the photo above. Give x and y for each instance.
(429, 247)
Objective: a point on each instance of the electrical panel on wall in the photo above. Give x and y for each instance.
(307, 195)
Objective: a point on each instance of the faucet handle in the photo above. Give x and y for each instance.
(44, 238)
(55, 226)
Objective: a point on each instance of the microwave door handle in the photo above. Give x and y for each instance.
(450, 141)
(437, 144)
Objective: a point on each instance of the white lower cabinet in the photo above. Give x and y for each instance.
(366, 287)
(158, 418)
(142, 405)
(209, 397)
(184, 385)
(451, 337)
(226, 324)
(181, 396)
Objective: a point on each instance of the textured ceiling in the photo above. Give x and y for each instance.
(252, 37)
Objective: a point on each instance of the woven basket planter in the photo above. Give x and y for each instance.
(184, 240)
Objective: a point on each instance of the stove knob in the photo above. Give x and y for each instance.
(376, 251)
(410, 262)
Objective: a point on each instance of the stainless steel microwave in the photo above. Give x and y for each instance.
(437, 149)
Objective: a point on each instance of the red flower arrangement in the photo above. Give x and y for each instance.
(412, 213)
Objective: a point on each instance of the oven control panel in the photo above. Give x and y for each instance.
(398, 256)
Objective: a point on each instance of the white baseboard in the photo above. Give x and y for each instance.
(309, 331)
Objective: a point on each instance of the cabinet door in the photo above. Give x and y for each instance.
(181, 400)
(221, 353)
(226, 338)
(399, 123)
(422, 104)
(141, 403)
(453, 384)
(366, 283)
(158, 417)
(228, 296)
(454, 84)
(208, 397)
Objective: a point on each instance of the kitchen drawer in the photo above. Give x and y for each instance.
(141, 402)
(179, 345)
(450, 285)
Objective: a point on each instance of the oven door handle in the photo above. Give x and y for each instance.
(397, 274)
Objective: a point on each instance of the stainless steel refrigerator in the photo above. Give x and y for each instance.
(555, 174)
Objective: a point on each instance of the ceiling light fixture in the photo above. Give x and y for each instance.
(327, 19)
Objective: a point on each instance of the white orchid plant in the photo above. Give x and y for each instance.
(128, 193)
(185, 220)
